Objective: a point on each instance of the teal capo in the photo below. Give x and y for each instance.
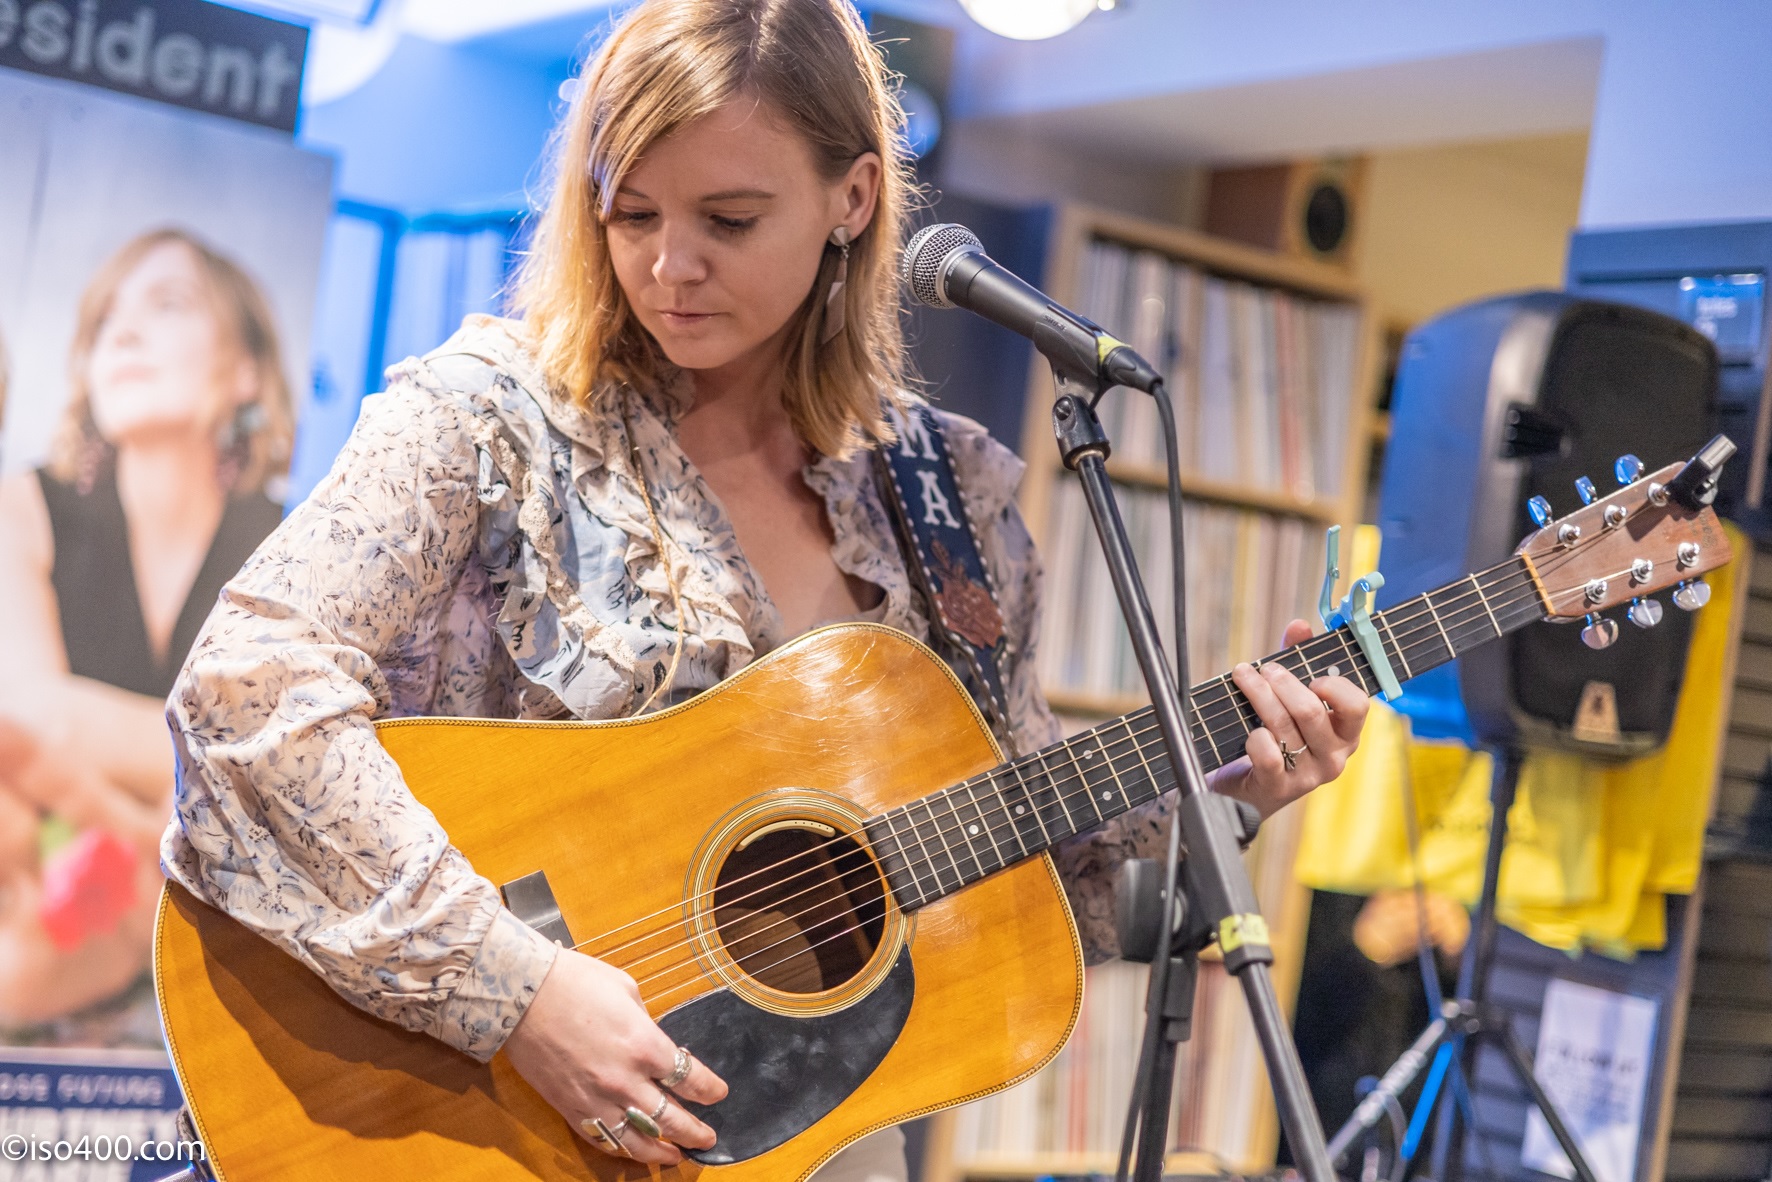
(1355, 612)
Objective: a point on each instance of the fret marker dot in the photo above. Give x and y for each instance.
(1107, 795)
(1335, 670)
(972, 829)
(1020, 809)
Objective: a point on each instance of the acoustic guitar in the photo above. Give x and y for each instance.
(822, 874)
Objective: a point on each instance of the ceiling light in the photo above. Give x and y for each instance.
(1029, 20)
(341, 58)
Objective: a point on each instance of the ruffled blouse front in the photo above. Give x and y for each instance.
(482, 548)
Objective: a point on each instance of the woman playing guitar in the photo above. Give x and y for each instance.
(655, 476)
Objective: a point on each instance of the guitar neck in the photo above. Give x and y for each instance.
(950, 839)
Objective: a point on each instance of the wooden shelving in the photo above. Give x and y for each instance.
(1219, 492)
(1226, 1055)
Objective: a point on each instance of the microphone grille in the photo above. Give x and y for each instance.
(926, 259)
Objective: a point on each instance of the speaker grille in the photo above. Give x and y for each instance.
(926, 257)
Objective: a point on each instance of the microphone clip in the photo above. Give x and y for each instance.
(1074, 423)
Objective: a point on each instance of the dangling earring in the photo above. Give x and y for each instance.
(833, 300)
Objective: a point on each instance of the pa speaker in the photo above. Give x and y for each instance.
(1519, 397)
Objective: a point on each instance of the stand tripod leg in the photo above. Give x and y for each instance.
(1177, 1016)
(1153, 1129)
(1395, 1082)
(1522, 1065)
(1224, 891)
(1473, 974)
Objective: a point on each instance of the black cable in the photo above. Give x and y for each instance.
(1159, 979)
(1178, 557)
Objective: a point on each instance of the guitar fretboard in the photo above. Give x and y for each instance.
(950, 839)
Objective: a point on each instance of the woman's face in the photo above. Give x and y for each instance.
(161, 362)
(717, 232)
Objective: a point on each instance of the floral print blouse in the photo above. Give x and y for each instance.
(482, 548)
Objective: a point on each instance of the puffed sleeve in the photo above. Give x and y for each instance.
(1088, 863)
(288, 814)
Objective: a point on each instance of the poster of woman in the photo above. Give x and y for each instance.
(157, 359)
(156, 492)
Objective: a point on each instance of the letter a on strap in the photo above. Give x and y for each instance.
(917, 474)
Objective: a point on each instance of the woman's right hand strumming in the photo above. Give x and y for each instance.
(588, 1046)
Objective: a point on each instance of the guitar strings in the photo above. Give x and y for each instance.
(798, 932)
(791, 920)
(1237, 703)
(1063, 798)
(861, 921)
(1460, 605)
(1505, 600)
(1502, 596)
(1208, 721)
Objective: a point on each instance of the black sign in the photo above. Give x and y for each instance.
(184, 52)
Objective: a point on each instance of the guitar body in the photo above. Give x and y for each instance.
(829, 1011)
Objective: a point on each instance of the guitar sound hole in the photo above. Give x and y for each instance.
(800, 912)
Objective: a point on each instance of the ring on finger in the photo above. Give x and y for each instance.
(646, 1124)
(1290, 755)
(611, 1138)
(679, 1070)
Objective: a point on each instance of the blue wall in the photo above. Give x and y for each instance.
(442, 127)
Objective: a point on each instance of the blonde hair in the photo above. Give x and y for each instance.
(668, 63)
(243, 314)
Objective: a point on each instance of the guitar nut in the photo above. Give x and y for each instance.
(1568, 533)
(1615, 516)
(1595, 591)
(1687, 554)
(1642, 570)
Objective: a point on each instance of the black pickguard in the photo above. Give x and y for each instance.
(785, 1073)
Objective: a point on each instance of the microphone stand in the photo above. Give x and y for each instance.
(1221, 891)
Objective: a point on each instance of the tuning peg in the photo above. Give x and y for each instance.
(1692, 595)
(1600, 632)
(1627, 468)
(1644, 613)
(1540, 511)
(1585, 488)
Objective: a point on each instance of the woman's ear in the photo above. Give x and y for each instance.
(857, 193)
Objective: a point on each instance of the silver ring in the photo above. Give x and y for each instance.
(611, 1138)
(1290, 756)
(679, 1070)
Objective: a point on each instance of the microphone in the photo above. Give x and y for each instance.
(945, 266)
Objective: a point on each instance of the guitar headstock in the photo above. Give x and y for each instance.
(1656, 531)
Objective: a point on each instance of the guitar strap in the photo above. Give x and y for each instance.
(941, 552)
